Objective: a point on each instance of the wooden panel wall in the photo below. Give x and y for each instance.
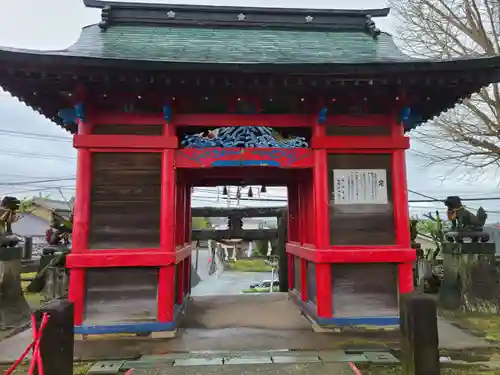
(361, 224)
(311, 283)
(364, 290)
(125, 200)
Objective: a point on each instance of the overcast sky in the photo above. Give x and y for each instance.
(34, 149)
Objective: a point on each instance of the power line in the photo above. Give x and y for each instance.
(35, 155)
(432, 199)
(35, 181)
(30, 175)
(47, 137)
(40, 189)
(428, 200)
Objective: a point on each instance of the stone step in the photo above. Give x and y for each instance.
(274, 369)
(220, 360)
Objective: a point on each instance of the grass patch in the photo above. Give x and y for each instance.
(482, 324)
(260, 290)
(35, 300)
(248, 265)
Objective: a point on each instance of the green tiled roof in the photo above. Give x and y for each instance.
(229, 45)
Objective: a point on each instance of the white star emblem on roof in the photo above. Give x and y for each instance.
(241, 17)
(171, 14)
(309, 18)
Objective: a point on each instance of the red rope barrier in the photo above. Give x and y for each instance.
(36, 359)
(354, 368)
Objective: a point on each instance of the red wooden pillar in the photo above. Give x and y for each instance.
(291, 271)
(187, 225)
(81, 219)
(181, 278)
(293, 233)
(302, 212)
(303, 279)
(322, 233)
(187, 275)
(166, 279)
(401, 214)
(322, 227)
(302, 226)
(180, 212)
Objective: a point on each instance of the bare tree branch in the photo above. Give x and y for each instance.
(466, 137)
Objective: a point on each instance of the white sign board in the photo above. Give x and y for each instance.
(360, 186)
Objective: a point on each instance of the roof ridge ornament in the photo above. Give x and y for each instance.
(105, 18)
(371, 28)
(142, 13)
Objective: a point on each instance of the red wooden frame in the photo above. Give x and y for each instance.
(218, 120)
(308, 208)
(244, 157)
(124, 141)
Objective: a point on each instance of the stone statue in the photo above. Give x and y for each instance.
(414, 234)
(60, 231)
(470, 278)
(464, 224)
(13, 305)
(51, 277)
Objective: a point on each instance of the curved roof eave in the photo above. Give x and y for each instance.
(46, 59)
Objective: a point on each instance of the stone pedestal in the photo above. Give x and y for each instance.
(13, 306)
(470, 278)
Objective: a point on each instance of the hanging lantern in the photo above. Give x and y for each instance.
(250, 192)
(224, 191)
(263, 189)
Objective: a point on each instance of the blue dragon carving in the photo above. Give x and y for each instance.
(242, 137)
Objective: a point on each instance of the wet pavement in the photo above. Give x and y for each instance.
(227, 282)
(221, 318)
(278, 362)
(248, 369)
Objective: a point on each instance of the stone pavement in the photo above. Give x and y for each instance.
(452, 337)
(237, 339)
(241, 322)
(265, 362)
(283, 369)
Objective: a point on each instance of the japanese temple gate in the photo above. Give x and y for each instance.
(161, 98)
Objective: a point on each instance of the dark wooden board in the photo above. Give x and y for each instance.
(365, 290)
(126, 200)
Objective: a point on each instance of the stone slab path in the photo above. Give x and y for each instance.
(290, 369)
(451, 337)
(259, 322)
